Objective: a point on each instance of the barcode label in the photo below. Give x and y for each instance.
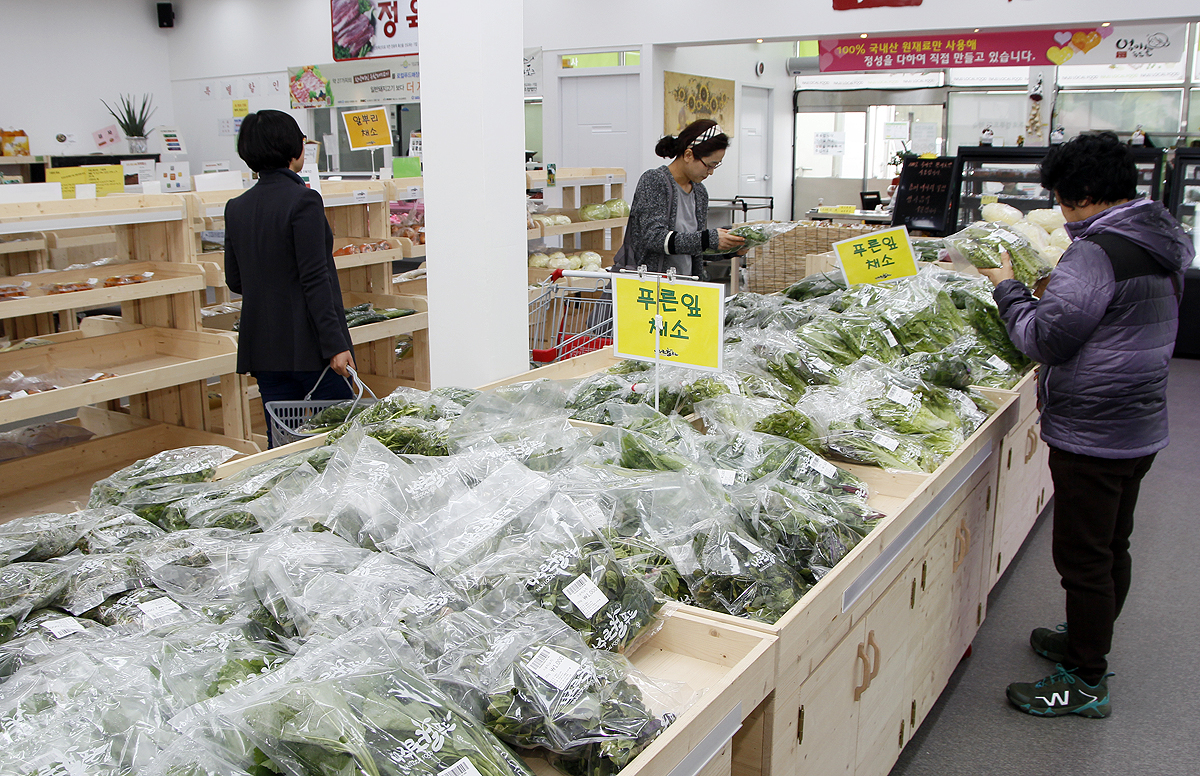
(822, 364)
(998, 363)
(900, 395)
(463, 767)
(63, 627)
(883, 440)
(555, 668)
(360, 196)
(727, 477)
(588, 598)
(891, 338)
(160, 608)
(591, 510)
(822, 467)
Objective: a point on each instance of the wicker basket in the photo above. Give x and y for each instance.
(783, 261)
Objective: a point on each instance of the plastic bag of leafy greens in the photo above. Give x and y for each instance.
(223, 506)
(742, 309)
(849, 432)
(637, 450)
(28, 586)
(42, 537)
(44, 635)
(410, 436)
(793, 360)
(201, 660)
(816, 286)
(960, 286)
(221, 589)
(403, 403)
(981, 245)
(866, 333)
(153, 501)
(562, 559)
(286, 563)
(922, 316)
(544, 445)
(864, 296)
(811, 531)
(93, 578)
(118, 532)
(985, 319)
(738, 576)
(185, 465)
(823, 337)
(357, 704)
(756, 235)
(591, 392)
(465, 530)
(333, 416)
(145, 608)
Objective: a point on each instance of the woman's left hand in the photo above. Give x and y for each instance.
(1001, 273)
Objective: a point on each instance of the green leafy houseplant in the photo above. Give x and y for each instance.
(131, 118)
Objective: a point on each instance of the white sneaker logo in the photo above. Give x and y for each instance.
(1062, 699)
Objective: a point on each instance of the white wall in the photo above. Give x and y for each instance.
(60, 62)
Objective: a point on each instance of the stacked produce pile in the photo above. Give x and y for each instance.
(456, 573)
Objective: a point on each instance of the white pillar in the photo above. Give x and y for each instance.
(473, 137)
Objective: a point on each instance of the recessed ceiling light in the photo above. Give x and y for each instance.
(976, 29)
(760, 40)
(1106, 24)
(863, 35)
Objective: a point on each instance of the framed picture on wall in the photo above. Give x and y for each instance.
(688, 98)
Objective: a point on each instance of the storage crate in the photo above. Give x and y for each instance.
(783, 261)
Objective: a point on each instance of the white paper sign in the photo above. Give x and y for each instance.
(555, 668)
(924, 137)
(221, 166)
(218, 181)
(85, 191)
(829, 143)
(588, 598)
(151, 187)
(533, 72)
(895, 130)
(174, 176)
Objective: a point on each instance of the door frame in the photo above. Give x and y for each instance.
(769, 126)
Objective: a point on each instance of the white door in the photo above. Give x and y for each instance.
(601, 121)
(754, 143)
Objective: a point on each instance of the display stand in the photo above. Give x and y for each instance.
(583, 186)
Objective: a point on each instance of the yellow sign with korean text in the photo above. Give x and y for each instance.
(836, 209)
(877, 257)
(241, 109)
(367, 128)
(108, 178)
(688, 317)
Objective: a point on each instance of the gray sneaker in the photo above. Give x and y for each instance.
(1050, 644)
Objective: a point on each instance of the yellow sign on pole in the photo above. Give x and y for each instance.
(683, 320)
(367, 128)
(108, 178)
(877, 256)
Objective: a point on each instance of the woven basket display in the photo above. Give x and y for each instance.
(781, 262)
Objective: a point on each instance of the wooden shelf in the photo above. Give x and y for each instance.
(576, 176)
(113, 210)
(142, 360)
(409, 249)
(578, 227)
(15, 160)
(405, 189)
(22, 246)
(61, 480)
(373, 332)
(169, 278)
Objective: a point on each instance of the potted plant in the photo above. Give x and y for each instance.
(132, 121)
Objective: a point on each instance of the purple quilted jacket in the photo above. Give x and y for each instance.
(1104, 331)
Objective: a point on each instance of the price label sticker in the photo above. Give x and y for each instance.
(63, 627)
(463, 767)
(160, 608)
(588, 598)
(891, 338)
(591, 510)
(555, 668)
(822, 467)
(414, 191)
(900, 395)
(822, 364)
(988, 199)
(883, 440)
(727, 477)
(999, 364)
(360, 197)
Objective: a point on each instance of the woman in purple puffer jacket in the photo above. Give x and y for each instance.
(1103, 331)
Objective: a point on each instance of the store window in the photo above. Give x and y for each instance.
(1122, 75)
(969, 113)
(1157, 111)
(337, 156)
(831, 145)
(603, 59)
(987, 76)
(1193, 121)
(895, 130)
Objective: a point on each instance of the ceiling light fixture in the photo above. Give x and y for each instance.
(863, 35)
(760, 40)
(1106, 24)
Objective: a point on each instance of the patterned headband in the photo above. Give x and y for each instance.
(707, 134)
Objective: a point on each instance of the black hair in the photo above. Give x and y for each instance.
(673, 147)
(1094, 168)
(269, 140)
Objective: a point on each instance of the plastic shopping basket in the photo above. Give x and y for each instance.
(287, 417)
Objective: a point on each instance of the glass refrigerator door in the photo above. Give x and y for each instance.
(1189, 202)
(1005, 178)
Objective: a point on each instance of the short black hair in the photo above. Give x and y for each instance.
(269, 140)
(1095, 167)
(672, 147)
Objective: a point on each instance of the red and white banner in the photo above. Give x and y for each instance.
(1125, 44)
(846, 5)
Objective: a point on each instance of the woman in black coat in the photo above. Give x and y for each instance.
(279, 257)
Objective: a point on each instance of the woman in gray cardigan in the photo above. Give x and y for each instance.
(669, 217)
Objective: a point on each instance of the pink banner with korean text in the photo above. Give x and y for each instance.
(1118, 44)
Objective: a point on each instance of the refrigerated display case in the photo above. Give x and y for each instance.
(1183, 200)
(1010, 175)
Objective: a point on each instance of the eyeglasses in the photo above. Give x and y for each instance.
(711, 167)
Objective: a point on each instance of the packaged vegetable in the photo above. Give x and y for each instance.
(756, 235)
(617, 208)
(998, 212)
(1048, 219)
(594, 212)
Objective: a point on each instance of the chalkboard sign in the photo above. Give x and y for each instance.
(924, 198)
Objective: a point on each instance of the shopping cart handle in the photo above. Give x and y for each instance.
(555, 275)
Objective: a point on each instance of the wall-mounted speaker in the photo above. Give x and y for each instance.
(166, 15)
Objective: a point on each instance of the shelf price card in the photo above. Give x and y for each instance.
(367, 128)
(687, 317)
(877, 257)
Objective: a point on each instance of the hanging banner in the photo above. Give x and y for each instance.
(347, 84)
(1118, 44)
(848, 5)
(370, 29)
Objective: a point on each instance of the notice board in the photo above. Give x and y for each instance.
(924, 198)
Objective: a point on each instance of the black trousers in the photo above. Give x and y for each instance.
(1094, 499)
